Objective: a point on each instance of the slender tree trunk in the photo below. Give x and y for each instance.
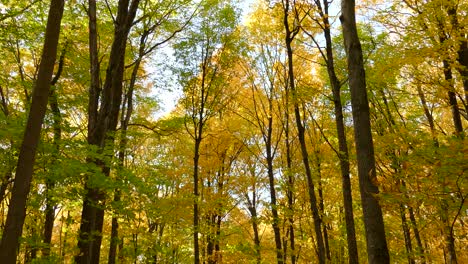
(196, 228)
(373, 220)
(406, 234)
(210, 245)
(343, 155)
(290, 181)
(24, 169)
(50, 183)
(114, 239)
(322, 205)
(417, 235)
(274, 212)
(452, 99)
(253, 213)
(8, 176)
(289, 36)
(271, 181)
(217, 253)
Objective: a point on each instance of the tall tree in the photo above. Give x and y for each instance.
(206, 53)
(343, 154)
(377, 250)
(291, 32)
(24, 169)
(103, 115)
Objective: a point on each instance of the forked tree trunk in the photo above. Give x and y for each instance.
(377, 250)
(101, 123)
(252, 207)
(24, 170)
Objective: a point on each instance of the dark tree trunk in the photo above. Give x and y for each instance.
(102, 122)
(124, 121)
(50, 183)
(456, 117)
(274, 212)
(289, 36)
(452, 99)
(114, 239)
(24, 169)
(218, 256)
(322, 205)
(290, 181)
(417, 235)
(462, 52)
(377, 249)
(254, 218)
(271, 181)
(342, 141)
(196, 228)
(406, 234)
(7, 178)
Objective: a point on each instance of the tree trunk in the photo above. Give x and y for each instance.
(289, 36)
(271, 181)
(102, 122)
(124, 121)
(322, 204)
(253, 213)
(406, 234)
(196, 228)
(462, 51)
(417, 235)
(343, 155)
(290, 181)
(24, 169)
(50, 183)
(377, 249)
(114, 239)
(452, 99)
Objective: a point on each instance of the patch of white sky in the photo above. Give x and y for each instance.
(164, 85)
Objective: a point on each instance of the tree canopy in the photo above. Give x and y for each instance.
(303, 131)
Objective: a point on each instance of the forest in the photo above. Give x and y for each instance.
(234, 131)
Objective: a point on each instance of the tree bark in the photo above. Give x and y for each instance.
(196, 158)
(462, 51)
(124, 121)
(289, 36)
(271, 180)
(102, 122)
(322, 205)
(50, 183)
(377, 250)
(252, 207)
(290, 180)
(24, 170)
(452, 99)
(406, 234)
(343, 154)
